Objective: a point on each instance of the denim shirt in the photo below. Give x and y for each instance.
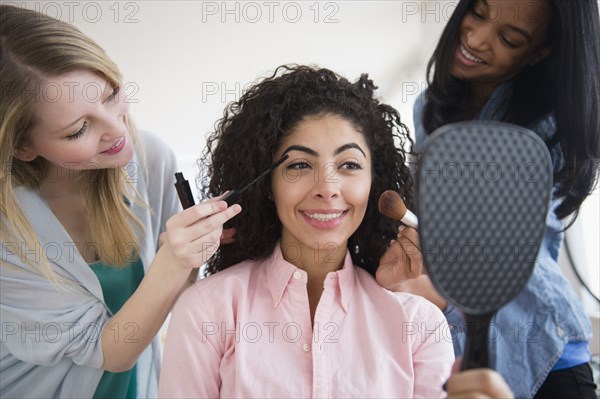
(527, 335)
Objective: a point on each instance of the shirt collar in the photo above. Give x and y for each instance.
(280, 272)
(494, 107)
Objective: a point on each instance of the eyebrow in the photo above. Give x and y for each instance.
(512, 27)
(347, 147)
(312, 152)
(300, 148)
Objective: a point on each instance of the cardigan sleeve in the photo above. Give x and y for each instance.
(42, 323)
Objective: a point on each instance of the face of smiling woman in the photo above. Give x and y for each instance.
(321, 191)
(81, 126)
(498, 38)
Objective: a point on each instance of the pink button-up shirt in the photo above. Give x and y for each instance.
(246, 332)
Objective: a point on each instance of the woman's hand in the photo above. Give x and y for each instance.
(194, 235)
(476, 383)
(227, 237)
(402, 261)
(401, 268)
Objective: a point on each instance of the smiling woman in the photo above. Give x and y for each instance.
(291, 308)
(530, 63)
(80, 265)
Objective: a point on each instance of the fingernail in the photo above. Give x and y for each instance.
(401, 228)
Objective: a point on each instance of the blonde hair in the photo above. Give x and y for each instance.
(33, 48)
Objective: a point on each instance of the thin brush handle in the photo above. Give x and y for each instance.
(235, 196)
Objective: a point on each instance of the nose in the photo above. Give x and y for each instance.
(114, 121)
(327, 183)
(477, 38)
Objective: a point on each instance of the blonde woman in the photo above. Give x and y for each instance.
(84, 288)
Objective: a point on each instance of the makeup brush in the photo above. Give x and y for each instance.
(235, 196)
(392, 206)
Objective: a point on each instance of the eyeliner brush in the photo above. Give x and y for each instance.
(235, 196)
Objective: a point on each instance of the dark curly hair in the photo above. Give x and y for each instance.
(250, 132)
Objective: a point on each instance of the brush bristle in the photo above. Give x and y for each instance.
(391, 205)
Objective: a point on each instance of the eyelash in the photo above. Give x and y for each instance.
(78, 133)
(81, 131)
(112, 96)
(354, 165)
(507, 42)
(305, 165)
(502, 37)
(296, 165)
(476, 15)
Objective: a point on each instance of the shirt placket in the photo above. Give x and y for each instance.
(298, 300)
(320, 353)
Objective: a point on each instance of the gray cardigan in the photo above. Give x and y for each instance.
(50, 343)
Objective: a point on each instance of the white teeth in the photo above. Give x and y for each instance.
(469, 56)
(324, 217)
(116, 145)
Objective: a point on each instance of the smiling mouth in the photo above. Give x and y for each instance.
(469, 56)
(117, 147)
(324, 217)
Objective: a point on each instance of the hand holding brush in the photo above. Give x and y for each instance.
(401, 266)
(402, 261)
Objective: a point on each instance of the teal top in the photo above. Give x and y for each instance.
(118, 284)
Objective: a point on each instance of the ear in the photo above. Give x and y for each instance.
(25, 154)
(540, 55)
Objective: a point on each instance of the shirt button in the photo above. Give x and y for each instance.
(297, 275)
(560, 331)
(306, 347)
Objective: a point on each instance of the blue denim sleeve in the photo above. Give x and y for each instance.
(420, 132)
(457, 325)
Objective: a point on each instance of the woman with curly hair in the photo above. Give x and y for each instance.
(291, 307)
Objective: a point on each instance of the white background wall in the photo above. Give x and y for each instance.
(184, 60)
